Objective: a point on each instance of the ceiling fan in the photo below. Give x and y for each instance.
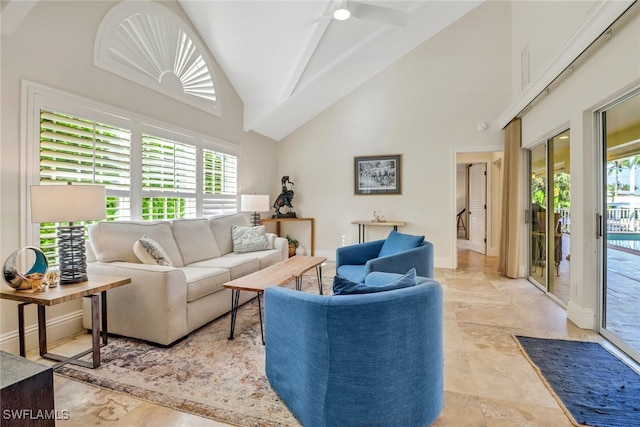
(369, 12)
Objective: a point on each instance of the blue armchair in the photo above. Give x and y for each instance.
(371, 359)
(398, 253)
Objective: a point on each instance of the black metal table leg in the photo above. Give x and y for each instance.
(103, 300)
(235, 299)
(95, 329)
(319, 274)
(260, 314)
(21, 337)
(42, 330)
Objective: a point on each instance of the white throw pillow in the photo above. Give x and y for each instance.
(149, 251)
(249, 239)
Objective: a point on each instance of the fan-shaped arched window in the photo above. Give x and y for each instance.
(147, 43)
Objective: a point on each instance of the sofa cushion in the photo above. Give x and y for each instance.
(248, 239)
(221, 228)
(113, 240)
(238, 264)
(204, 281)
(195, 240)
(399, 242)
(268, 257)
(342, 286)
(150, 252)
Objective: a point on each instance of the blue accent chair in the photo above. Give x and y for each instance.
(355, 262)
(371, 359)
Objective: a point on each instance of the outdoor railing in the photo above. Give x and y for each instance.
(623, 219)
(618, 219)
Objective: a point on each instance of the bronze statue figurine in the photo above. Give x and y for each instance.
(284, 199)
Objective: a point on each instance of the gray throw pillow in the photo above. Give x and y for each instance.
(249, 239)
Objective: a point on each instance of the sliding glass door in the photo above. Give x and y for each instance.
(620, 234)
(549, 234)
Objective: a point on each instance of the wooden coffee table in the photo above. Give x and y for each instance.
(63, 293)
(275, 275)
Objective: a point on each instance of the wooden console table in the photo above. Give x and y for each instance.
(363, 223)
(63, 293)
(278, 221)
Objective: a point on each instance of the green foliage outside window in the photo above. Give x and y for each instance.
(561, 191)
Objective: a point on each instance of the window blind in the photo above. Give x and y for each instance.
(74, 149)
(220, 183)
(168, 178)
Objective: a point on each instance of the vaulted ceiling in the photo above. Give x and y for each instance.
(289, 60)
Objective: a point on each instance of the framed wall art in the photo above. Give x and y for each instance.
(377, 174)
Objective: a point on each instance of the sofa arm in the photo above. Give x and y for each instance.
(281, 244)
(358, 254)
(152, 307)
(421, 258)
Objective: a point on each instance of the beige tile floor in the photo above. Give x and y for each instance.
(488, 382)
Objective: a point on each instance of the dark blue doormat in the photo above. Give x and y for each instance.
(593, 386)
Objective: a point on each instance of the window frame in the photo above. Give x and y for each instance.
(37, 97)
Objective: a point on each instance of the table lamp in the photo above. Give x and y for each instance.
(254, 203)
(69, 203)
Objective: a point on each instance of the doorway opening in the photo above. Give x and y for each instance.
(477, 202)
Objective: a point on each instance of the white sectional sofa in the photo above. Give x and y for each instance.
(164, 303)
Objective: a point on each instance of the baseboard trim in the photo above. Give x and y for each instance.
(583, 318)
(57, 328)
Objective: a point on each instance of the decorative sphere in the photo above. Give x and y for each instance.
(20, 281)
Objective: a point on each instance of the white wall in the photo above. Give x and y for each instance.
(53, 46)
(614, 69)
(425, 107)
(542, 27)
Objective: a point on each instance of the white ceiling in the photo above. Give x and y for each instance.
(289, 60)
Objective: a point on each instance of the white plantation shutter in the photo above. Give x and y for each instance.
(179, 176)
(220, 183)
(78, 150)
(169, 178)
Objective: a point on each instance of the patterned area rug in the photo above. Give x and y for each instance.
(204, 374)
(593, 386)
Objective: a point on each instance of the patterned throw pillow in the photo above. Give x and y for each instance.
(249, 239)
(149, 251)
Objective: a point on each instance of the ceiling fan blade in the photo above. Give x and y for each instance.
(379, 14)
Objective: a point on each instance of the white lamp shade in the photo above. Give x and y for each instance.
(254, 203)
(67, 203)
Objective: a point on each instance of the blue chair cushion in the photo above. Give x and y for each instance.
(342, 286)
(399, 242)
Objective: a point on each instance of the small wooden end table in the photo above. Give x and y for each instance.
(278, 221)
(275, 275)
(64, 293)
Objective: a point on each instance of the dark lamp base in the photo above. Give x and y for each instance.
(255, 219)
(73, 261)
